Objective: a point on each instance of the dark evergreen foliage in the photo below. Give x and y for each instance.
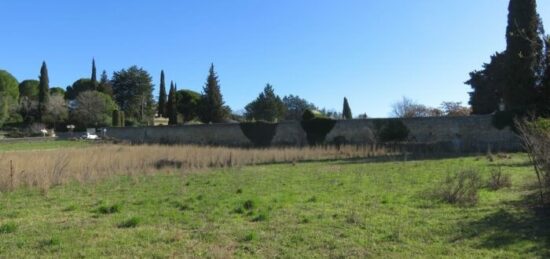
(172, 106)
(393, 130)
(43, 91)
(522, 54)
(487, 86)
(212, 104)
(188, 104)
(105, 85)
(94, 76)
(30, 89)
(260, 133)
(78, 87)
(346, 111)
(162, 96)
(116, 118)
(316, 127)
(268, 106)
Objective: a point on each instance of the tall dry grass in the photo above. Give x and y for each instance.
(44, 169)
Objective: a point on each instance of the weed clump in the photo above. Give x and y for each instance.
(130, 223)
(499, 180)
(461, 188)
(248, 205)
(109, 209)
(8, 228)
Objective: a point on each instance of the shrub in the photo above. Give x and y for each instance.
(460, 188)
(130, 223)
(260, 133)
(316, 126)
(499, 180)
(8, 228)
(393, 130)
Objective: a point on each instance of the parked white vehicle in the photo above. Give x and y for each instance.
(90, 134)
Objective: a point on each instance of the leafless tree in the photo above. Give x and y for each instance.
(536, 141)
(93, 109)
(407, 108)
(56, 110)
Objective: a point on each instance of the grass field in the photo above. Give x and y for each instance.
(39, 145)
(331, 209)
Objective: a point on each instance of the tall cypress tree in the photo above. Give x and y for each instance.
(43, 91)
(172, 106)
(94, 76)
(523, 52)
(212, 104)
(346, 111)
(162, 96)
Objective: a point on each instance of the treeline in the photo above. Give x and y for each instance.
(517, 80)
(126, 99)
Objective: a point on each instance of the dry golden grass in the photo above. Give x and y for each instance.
(47, 168)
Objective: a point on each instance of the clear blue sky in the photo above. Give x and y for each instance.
(372, 51)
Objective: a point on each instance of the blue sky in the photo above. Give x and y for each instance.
(371, 51)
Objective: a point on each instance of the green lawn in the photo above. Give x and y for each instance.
(336, 209)
(39, 145)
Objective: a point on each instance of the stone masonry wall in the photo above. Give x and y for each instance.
(472, 133)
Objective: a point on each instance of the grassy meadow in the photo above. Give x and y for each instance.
(337, 209)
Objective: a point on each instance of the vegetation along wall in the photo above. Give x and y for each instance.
(467, 134)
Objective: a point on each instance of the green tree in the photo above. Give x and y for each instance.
(79, 86)
(29, 88)
(93, 109)
(268, 106)
(172, 106)
(4, 105)
(94, 76)
(487, 85)
(523, 51)
(43, 91)
(162, 96)
(105, 85)
(133, 91)
(57, 91)
(346, 111)
(188, 104)
(9, 85)
(296, 106)
(212, 104)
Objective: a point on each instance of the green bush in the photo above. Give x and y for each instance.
(393, 130)
(259, 133)
(460, 188)
(317, 128)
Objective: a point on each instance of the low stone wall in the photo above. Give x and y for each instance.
(467, 134)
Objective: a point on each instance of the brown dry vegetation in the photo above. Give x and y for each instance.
(47, 168)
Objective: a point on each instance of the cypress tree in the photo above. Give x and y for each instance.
(523, 52)
(346, 111)
(172, 106)
(94, 76)
(162, 96)
(213, 109)
(43, 91)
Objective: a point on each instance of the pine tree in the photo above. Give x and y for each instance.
(43, 91)
(523, 52)
(162, 96)
(94, 76)
(212, 107)
(346, 111)
(172, 106)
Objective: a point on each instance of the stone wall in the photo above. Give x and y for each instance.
(471, 134)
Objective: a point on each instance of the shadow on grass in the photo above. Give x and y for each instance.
(504, 229)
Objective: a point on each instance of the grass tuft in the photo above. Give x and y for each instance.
(130, 223)
(109, 209)
(8, 228)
